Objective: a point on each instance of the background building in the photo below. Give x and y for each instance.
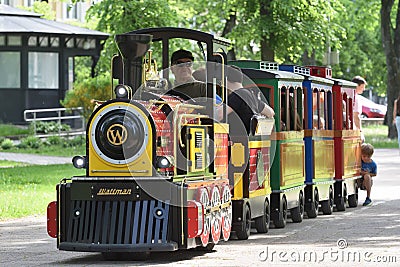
(37, 60)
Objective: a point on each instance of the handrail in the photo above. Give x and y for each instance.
(30, 115)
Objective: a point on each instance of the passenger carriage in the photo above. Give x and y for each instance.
(347, 141)
(283, 90)
(318, 141)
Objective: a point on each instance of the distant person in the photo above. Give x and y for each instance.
(182, 68)
(396, 117)
(361, 83)
(368, 170)
(243, 101)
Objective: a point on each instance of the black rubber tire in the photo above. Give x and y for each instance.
(281, 223)
(244, 234)
(262, 223)
(327, 205)
(353, 200)
(341, 204)
(297, 213)
(313, 211)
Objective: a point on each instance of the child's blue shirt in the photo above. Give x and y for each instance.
(369, 167)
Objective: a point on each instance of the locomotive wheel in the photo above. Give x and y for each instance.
(281, 222)
(244, 234)
(205, 201)
(313, 211)
(226, 214)
(297, 213)
(216, 219)
(262, 223)
(341, 203)
(327, 205)
(353, 199)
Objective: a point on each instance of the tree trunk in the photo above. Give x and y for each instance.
(391, 46)
(229, 25)
(267, 49)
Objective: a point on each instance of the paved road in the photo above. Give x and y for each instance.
(34, 159)
(365, 236)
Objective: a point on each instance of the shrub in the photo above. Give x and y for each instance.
(85, 91)
(54, 140)
(7, 144)
(50, 127)
(30, 141)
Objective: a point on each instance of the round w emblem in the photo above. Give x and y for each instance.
(117, 134)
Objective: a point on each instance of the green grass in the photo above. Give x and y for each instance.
(376, 135)
(11, 130)
(9, 164)
(27, 190)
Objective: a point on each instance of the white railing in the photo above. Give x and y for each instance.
(58, 115)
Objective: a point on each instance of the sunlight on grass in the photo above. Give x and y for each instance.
(377, 136)
(27, 190)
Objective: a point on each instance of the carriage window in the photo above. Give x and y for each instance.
(347, 113)
(291, 109)
(319, 110)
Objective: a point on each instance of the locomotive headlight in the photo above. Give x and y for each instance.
(121, 91)
(79, 162)
(163, 162)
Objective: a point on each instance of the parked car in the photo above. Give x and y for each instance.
(371, 109)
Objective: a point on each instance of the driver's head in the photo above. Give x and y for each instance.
(181, 65)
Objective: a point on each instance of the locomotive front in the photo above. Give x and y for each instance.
(154, 180)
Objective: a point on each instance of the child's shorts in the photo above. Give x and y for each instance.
(360, 183)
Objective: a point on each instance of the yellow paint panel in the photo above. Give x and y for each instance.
(237, 157)
(142, 166)
(351, 157)
(197, 149)
(292, 163)
(324, 164)
(238, 185)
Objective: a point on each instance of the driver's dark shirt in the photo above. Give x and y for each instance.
(245, 104)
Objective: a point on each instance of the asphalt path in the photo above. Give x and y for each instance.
(364, 236)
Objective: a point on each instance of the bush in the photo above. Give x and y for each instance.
(75, 142)
(7, 144)
(50, 127)
(85, 91)
(31, 142)
(54, 140)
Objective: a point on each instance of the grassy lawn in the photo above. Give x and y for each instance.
(10, 164)
(11, 130)
(27, 190)
(377, 136)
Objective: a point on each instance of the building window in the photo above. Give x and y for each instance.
(2, 40)
(43, 70)
(10, 71)
(14, 40)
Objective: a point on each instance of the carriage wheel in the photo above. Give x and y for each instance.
(313, 211)
(327, 205)
(226, 213)
(215, 215)
(297, 213)
(341, 202)
(282, 218)
(205, 201)
(262, 222)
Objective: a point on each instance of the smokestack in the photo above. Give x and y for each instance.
(132, 47)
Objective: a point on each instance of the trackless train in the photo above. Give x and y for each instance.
(165, 172)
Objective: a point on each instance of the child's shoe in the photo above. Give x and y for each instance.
(367, 202)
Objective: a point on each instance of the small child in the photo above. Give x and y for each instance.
(368, 170)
